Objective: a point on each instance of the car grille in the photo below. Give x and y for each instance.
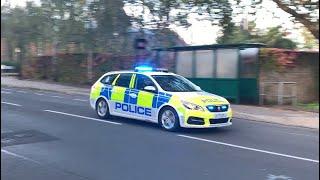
(219, 121)
(195, 121)
(217, 108)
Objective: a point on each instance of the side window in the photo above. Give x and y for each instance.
(124, 80)
(143, 81)
(108, 79)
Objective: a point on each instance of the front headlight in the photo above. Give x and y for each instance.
(192, 106)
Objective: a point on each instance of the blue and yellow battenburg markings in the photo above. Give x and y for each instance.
(141, 104)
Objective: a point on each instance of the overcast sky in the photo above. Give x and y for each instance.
(202, 32)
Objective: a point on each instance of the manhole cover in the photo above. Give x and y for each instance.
(24, 137)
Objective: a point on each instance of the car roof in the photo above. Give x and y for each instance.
(146, 72)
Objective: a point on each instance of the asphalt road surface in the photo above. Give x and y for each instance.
(52, 136)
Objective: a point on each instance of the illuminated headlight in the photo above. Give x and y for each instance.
(192, 106)
(224, 107)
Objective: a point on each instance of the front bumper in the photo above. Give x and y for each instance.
(198, 119)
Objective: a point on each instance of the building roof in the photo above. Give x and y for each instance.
(212, 46)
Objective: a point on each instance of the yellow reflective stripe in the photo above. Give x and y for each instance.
(115, 80)
(118, 93)
(95, 93)
(133, 78)
(145, 99)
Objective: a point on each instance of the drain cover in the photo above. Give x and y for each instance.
(24, 137)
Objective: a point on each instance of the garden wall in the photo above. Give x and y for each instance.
(301, 67)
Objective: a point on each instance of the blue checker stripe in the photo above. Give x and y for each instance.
(126, 95)
(160, 99)
(133, 100)
(106, 92)
(154, 101)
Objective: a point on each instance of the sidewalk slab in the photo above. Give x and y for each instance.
(254, 113)
(279, 116)
(42, 85)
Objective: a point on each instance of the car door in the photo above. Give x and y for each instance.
(119, 98)
(106, 85)
(145, 98)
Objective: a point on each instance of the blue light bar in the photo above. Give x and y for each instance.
(143, 68)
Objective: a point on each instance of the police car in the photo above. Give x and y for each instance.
(158, 96)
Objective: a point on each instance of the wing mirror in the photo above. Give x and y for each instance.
(198, 88)
(150, 89)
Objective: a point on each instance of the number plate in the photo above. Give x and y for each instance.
(220, 115)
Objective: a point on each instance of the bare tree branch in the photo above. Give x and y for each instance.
(313, 27)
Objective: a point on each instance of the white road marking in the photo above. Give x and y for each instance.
(84, 100)
(19, 156)
(8, 103)
(40, 94)
(22, 91)
(83, 117)
(6, 89)
(57, 96)
(5, 92)
(248, 148)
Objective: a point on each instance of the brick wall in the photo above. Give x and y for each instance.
(305, 72)
(4, 50)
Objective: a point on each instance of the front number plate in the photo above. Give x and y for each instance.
(220, 115)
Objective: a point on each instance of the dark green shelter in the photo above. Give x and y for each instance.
(228, 70)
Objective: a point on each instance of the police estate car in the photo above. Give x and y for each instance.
(158, 96)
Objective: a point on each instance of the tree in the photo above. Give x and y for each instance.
(163, 13)
(304, 11)
(273, 38)
(310, 41)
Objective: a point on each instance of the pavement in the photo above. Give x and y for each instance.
(51, 135)
(254, 113)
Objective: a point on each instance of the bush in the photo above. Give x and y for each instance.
(11, 63)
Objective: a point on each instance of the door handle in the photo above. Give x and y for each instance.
(133, 95)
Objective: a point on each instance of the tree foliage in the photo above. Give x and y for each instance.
(305, 12)
(272, 38)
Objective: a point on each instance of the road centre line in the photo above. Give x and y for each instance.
(5, 92)
(84, 100)
(40, 94)
(57, 96)
(8, 103)
(83, 117)
(22, 91)
(19, 156)
(248, 148)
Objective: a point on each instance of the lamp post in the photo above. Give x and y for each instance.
(54, 53)
(19, 59)
(90, 25)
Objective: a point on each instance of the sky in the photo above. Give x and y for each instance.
(202, 32)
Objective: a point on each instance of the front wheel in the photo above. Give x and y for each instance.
(102, 109)
(168, 119)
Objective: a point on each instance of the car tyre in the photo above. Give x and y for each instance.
(102, 109)
(169, 119)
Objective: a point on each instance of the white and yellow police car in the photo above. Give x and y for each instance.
(158, 96)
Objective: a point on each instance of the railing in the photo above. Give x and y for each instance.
(280, 92)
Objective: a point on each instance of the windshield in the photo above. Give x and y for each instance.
(174, 83)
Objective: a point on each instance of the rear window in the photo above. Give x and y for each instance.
(124, 80)
(108, 79)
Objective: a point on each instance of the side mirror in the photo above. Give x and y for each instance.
(150, 89)
(198, 88)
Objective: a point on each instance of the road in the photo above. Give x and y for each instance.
(47, 135)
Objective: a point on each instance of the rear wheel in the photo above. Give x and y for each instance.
(168, 119)
(102, 108)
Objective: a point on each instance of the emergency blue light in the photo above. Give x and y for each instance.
(143, 68)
